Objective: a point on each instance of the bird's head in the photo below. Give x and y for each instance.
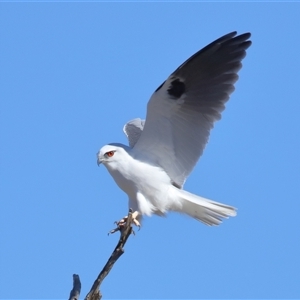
(111, 153)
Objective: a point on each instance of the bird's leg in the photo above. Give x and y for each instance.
(120, 224)
(135, 221)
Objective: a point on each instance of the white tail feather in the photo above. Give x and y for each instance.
(207, 211)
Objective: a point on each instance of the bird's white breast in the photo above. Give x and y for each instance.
(142, 182)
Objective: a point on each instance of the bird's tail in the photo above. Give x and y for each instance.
(207, 211)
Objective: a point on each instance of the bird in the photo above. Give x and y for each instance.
(165, 147)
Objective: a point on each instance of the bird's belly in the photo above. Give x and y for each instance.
(124, 181)
(144, 181)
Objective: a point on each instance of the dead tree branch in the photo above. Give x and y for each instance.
(126, 230)
(94, 293)
(75, 292)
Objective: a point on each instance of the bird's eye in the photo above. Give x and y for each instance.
(110, 153)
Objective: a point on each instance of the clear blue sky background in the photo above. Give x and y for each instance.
(71, 75)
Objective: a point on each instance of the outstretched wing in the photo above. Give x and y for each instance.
(182, 111)
(133, 130)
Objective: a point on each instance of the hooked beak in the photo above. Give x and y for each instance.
(99, 160)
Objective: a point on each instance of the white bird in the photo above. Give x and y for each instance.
(165, 147)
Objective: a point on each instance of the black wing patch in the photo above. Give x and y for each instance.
(176, 89)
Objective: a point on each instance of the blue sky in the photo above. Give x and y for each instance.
(71, 75)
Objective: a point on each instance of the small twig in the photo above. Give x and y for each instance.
(75, 292)
(125, 230)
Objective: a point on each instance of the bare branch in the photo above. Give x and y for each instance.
(75, 292)
(125, 230)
